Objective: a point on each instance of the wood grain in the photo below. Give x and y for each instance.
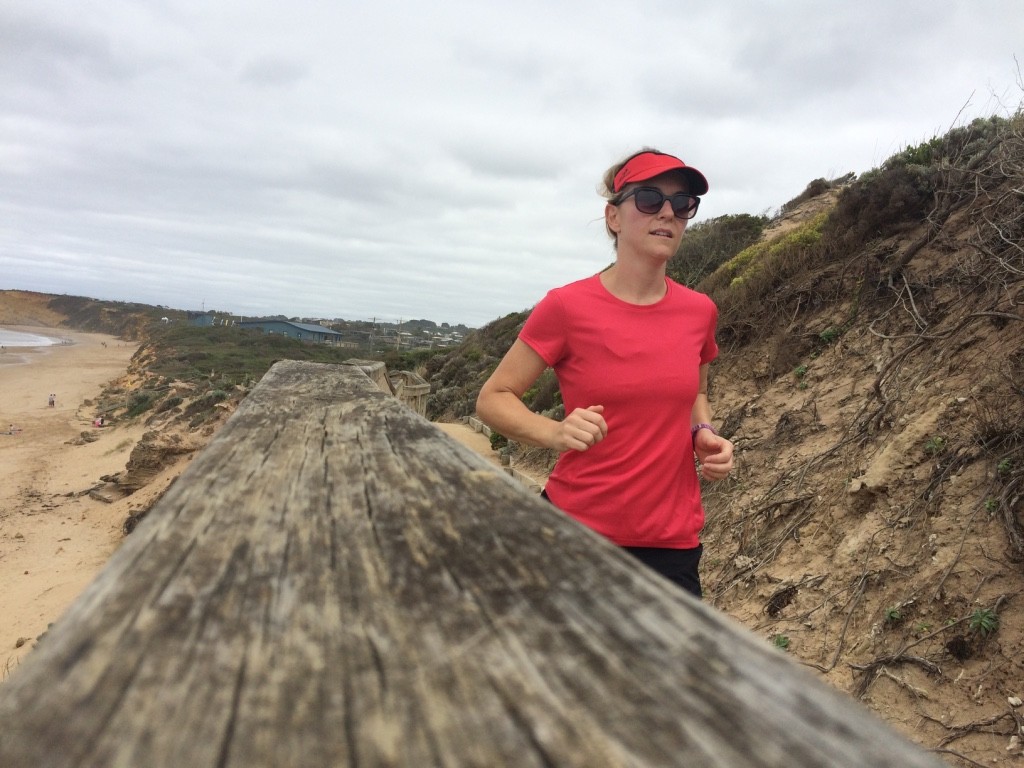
(334, 581)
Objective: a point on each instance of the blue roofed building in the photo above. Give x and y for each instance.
(315, 334)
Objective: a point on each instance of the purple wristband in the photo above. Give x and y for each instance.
(698, 427)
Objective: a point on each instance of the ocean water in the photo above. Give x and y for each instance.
(17, 339)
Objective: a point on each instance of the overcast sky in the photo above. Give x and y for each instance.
(436, 160)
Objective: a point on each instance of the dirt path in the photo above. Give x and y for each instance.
(480, 443)
(470, 438)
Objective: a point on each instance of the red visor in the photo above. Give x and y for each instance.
(647, 165)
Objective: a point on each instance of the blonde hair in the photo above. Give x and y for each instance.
(606, 188)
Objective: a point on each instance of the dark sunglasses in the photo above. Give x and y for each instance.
(651, 199)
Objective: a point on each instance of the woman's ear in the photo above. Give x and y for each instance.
(611, 218)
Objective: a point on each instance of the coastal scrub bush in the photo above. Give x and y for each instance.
(139, 402)
(746, 288)
(233, 355)
(204, 404)
(814, 189)
(782, 254)
(905, 189)
(544, 394)
(709, 244)
(171, 402)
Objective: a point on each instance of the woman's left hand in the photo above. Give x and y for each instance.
(714, 453)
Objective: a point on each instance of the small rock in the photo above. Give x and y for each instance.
(20, 642)
(1014, 701)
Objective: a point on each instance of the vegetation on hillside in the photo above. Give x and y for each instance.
(872, 379)
(127, 320)
(456, 377)
(196, 374)
(709, 244)
(187, 371)
(875, 391)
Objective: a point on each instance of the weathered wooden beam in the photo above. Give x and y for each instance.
(333, 581)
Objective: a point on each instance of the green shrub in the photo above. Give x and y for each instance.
(168, 404)
(747, 287)
(881, 203)
(709, 244)
(775, 257)
(814, 189)
(984, 621)
(140, 402)
(830, 334)
(544, 394)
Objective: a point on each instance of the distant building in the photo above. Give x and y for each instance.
(202, 319)
(208, 319)
(316, 334)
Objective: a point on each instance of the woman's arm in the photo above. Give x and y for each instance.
(500, 406)
(713, 451)
(701, 413)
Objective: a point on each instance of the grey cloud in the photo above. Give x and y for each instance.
(273, 72)
(387, 159)
(54, 52)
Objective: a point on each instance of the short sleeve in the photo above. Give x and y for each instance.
(709, 351)
(545, 329)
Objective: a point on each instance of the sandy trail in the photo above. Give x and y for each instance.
(471, 439)
(54, 538)
(480, 443)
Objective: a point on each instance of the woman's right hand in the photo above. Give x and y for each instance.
(581, 430)
(500, 406)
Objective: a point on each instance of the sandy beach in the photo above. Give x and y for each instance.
(54, 537)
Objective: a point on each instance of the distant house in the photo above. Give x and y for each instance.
(208, 319)
(202, 319)
(316, 334)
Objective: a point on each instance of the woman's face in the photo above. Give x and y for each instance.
(656, 235)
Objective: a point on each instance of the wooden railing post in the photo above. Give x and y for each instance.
(334, 582)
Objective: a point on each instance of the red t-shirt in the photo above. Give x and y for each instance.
(638, 486)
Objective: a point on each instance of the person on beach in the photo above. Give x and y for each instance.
(52, 401)
(631, 350)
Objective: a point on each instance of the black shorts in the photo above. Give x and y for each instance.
(677, 565)
(680, 566)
